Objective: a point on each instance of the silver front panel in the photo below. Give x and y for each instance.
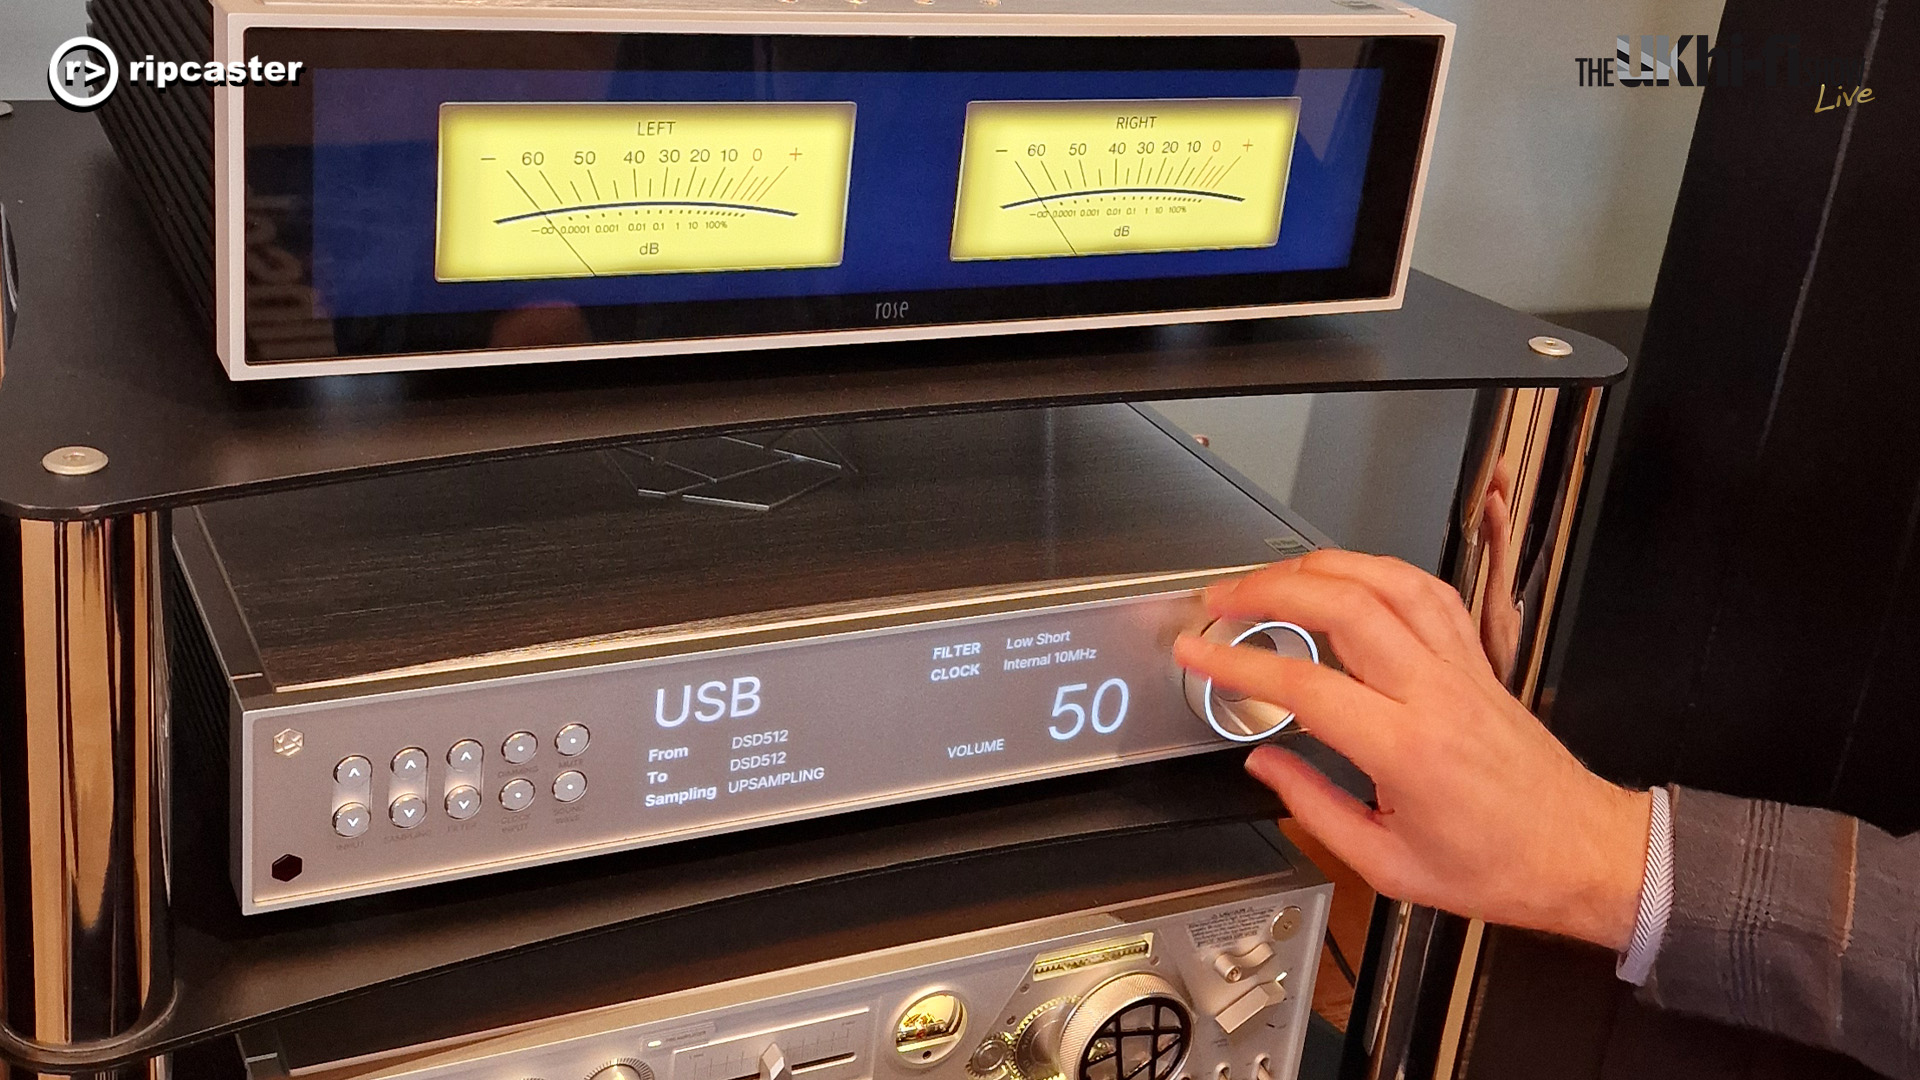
(1021, 992)
(702, 742)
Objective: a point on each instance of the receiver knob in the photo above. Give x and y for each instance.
(1233, 715)
(1131, 1027)
(617, 1072)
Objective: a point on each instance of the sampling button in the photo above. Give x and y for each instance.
(407, 811)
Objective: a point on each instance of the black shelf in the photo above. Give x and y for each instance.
(107, 355)
(233, 971)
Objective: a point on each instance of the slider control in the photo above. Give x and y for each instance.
(773, 1064)
(1264, 995)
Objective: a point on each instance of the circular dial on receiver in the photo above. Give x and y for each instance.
(1131, 1027)
(1233, 715)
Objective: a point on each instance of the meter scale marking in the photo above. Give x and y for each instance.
(531, 191)
(1070, 178)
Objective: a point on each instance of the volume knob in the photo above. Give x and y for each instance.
(1131, 1027)
(1233, 715)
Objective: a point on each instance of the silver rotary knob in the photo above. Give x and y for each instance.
(1233, 715)
(620, 1071)
(1131, 1026)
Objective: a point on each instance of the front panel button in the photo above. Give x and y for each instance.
(517, 795)
(351, 820)
(463, 802)
(572, 740)
(408, 811)
(465, 755)
(569, 786)
(410, 764)
(353, 770)
(519, 747)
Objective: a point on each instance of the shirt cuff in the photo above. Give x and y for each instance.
(1656, 895)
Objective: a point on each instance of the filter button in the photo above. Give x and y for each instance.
(465, 755)
(517, 795)
(463, 802)
(519, 747)
(352, 770)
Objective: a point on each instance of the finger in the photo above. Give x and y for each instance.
(1335, 818)
(1497, 529)
(1430, 607)
(1370, 639)
(1356, 721)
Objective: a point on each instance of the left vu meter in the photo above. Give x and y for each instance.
(559, 190)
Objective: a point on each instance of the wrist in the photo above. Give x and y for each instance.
(1604, 899)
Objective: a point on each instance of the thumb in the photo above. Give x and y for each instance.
(1335, 818)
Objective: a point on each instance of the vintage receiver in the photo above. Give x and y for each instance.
(455, 183)
(452, 673)
(1204, 970)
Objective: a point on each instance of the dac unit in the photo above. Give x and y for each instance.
(1209, 982)
(444, 674)
(465, 182)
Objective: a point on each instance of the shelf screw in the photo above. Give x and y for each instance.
(74, 461)
(1549, 346)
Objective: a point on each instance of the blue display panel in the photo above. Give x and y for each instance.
(375, 173)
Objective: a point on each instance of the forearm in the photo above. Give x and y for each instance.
(1801, 922)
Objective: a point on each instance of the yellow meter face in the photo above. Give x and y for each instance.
(589, 190)
(1063, 178)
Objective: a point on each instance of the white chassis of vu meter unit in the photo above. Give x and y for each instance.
(1218, 981)
(1145, 19)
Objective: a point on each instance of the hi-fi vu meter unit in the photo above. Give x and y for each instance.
(492, 181)
(446, 674)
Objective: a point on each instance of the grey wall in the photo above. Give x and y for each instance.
(29, 31)
(1542, 195)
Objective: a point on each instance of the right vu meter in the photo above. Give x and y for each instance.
(1041, 179)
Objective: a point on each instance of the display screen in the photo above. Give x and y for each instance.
(1071, 178)
(388, 231)
(590, 190)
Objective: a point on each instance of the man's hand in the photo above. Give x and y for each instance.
(1481, 811)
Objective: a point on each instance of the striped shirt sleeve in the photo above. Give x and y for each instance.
(1656, 895)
